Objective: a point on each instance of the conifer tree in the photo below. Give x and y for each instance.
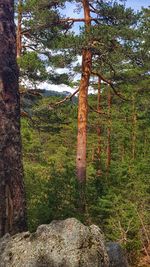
(83, 110)
(38, 31)
(107, 42)
(12, 195)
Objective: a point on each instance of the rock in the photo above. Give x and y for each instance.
(66, 243)
(116, 255)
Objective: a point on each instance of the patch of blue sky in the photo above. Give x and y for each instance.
(71, 10)
(137, 4)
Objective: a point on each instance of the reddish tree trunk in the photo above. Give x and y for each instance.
(82, 117)
(83, 110)
(99, 109)
(12, 200)
(19, 29)
(99, 128)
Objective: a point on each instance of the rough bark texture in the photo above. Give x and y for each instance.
(82, 117)
(60, 244)
(12, 203)
(83, 111)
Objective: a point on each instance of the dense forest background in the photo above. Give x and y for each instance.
(118, 127)
(118, 198)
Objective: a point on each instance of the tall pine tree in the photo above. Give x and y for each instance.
(12, 195)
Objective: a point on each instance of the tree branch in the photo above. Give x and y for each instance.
(70, 21)
(111, 84)
(69, 97)
(99, 112)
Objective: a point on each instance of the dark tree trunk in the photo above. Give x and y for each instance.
(12, 196)
(83, 112)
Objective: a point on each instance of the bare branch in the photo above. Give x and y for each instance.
(99, 112)
(76, 20)
(29, 92)
(111, 84)
(69, 97)
(144, 227)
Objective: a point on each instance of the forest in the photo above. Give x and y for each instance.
(84, 154)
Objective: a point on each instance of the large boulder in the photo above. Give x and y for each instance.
(116, 255)
(66, 243)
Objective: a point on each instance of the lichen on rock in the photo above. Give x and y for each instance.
(66, 243)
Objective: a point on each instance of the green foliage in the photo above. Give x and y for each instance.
(117, 197)
(115, 200)
(32, 67)
(41, 31)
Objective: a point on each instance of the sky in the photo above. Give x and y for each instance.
(134, 4)
(137, 4)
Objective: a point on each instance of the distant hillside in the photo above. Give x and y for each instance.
(30, 98)
(47, 93)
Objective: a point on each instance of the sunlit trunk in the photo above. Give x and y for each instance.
(99, 109)
(19, 29)
(99, 128)
(83, 111)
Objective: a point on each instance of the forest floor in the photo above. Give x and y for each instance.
(145, 259)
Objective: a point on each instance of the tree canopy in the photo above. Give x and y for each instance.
(102, 178)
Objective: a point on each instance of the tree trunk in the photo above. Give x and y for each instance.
(99, 128)
(109, 131)
(12, 196)
(19, 29)
(99, 109)
(83, 112)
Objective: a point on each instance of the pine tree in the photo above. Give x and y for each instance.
(12, 195)
(83, 111)
(38, 32)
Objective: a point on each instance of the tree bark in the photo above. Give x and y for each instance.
(99, 128)
(99, 109)
(12, 196)
(83, 110)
